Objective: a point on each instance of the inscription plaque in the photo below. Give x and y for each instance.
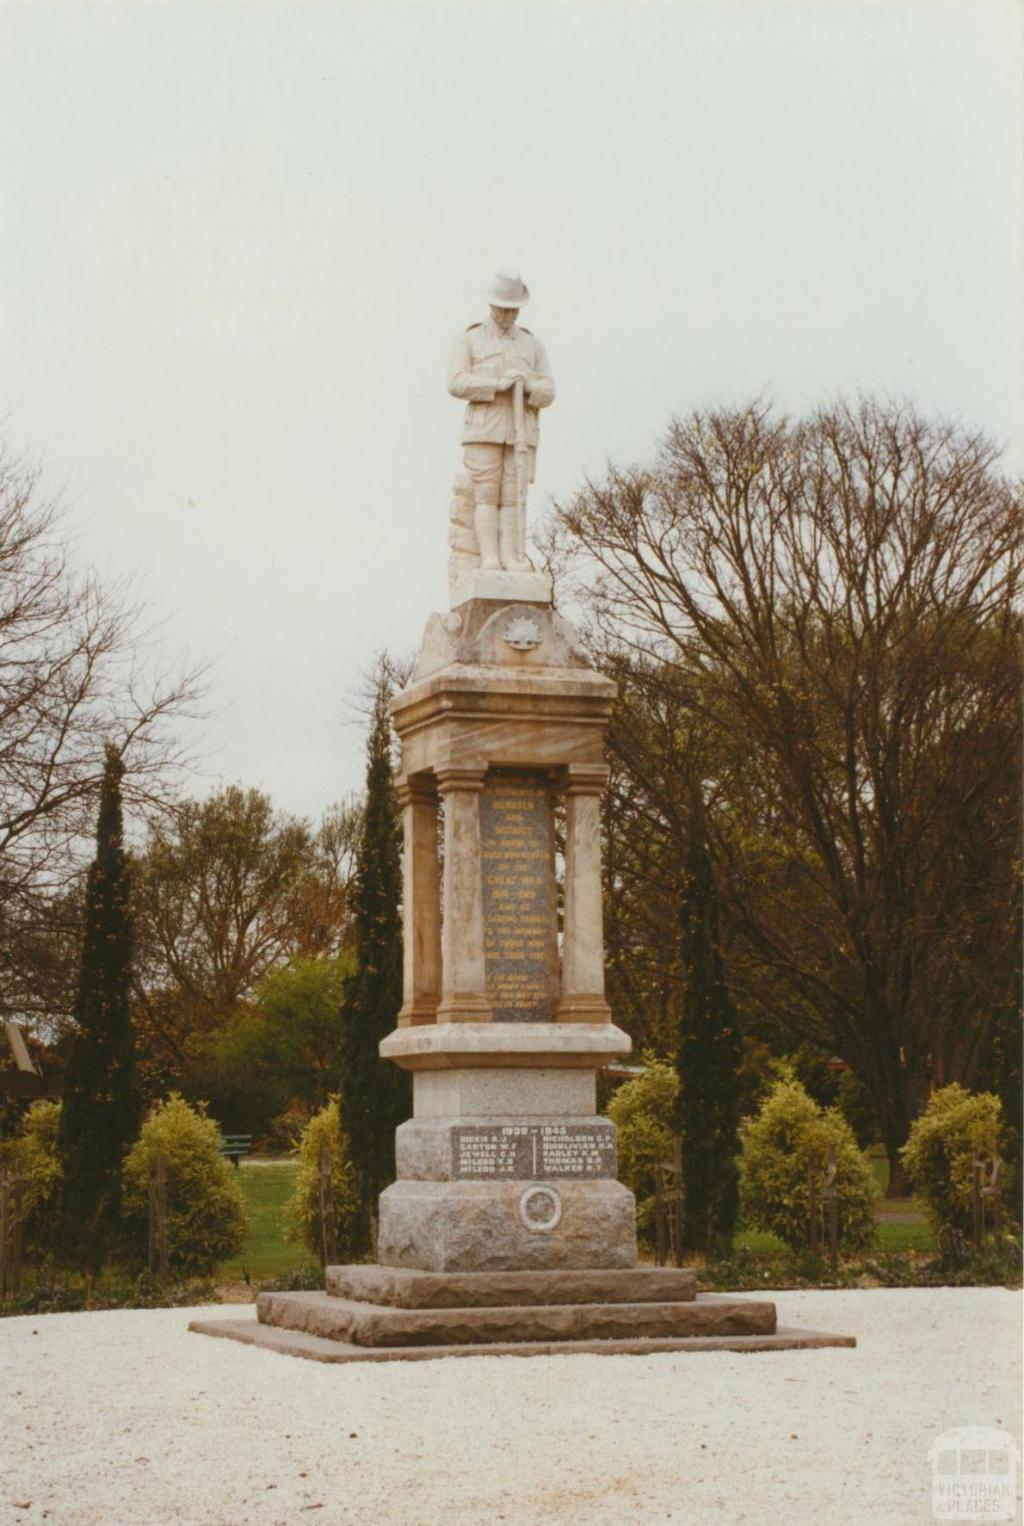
(483, 1152)
(520, 947)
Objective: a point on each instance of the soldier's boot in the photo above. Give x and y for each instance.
(512, 557)
(485, 521)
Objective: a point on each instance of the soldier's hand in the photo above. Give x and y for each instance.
(508, 380)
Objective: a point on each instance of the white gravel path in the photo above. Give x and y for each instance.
(126, 1419)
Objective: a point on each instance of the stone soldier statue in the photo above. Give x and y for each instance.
(502, 372)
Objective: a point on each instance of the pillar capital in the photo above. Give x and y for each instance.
(586, 778)
(460, 777)
(417, 789)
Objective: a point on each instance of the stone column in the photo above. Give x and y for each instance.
(583, 936)
(421, 904)
(464, 988)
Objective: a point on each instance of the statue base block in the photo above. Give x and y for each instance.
(507, 1226)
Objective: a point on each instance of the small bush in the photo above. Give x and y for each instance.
(955, 1127)
(303, 1208)
(782, 1268)
(782, 1145)
(643, 1112)
(35, 1150)
(997, 1266)
(205, 1216)
(57, 1292)
(301, 1279)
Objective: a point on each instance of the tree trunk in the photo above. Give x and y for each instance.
(894, 1126)
(904, 1092)
(898, 1184)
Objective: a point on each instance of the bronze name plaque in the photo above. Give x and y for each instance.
(533, 1151)
(520, 943)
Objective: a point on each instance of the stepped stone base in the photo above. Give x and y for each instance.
(365, 1324)
(315, 1348)
(407, 1289)
(382, 1313)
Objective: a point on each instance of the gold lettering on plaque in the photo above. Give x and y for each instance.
(519, 896)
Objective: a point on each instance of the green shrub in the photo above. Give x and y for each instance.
(787, 1140)
(282, 1050)
(757, 1073)
(308, 1278)
(955, 1127)
(35, 1150)
(303, 1208)
(205, 1217)
(55, 1292)
(643, 1112)
(233, 1070)
(855, 1103)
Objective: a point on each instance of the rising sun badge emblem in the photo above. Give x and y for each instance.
(523, 634)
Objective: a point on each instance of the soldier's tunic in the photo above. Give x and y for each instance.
(480, 357)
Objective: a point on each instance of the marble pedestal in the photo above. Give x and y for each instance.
(505, 1164)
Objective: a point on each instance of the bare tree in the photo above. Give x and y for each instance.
(838, 597)
(321, 903)
(77, 673)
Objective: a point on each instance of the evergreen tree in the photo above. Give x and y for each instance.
(1003, 1069)
(375, 1094)
(708, 1056)
(102, 1106)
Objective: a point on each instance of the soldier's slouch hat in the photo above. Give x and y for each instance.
(507, 289)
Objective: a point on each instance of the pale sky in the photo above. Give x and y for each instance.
(236, 239)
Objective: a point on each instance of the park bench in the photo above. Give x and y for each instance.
(234, 1146)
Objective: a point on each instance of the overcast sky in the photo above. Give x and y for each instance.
(235, 241)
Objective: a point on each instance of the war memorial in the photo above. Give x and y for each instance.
(506, 1231)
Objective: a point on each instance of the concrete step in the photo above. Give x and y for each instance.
(405, 1289)
(365, 1324)
(315, 1348)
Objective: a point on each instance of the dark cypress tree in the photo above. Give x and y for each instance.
(1003, 1069)
(375, 1095)
(708, 1056)
(102, 1105)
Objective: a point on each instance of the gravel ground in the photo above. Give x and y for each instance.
(126, 1419)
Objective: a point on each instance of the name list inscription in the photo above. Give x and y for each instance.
(532, 1150)
(519, 897)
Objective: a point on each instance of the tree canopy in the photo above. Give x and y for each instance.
(835, 603)
(228, 890)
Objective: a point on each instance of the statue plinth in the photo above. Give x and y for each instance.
(501, 587)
